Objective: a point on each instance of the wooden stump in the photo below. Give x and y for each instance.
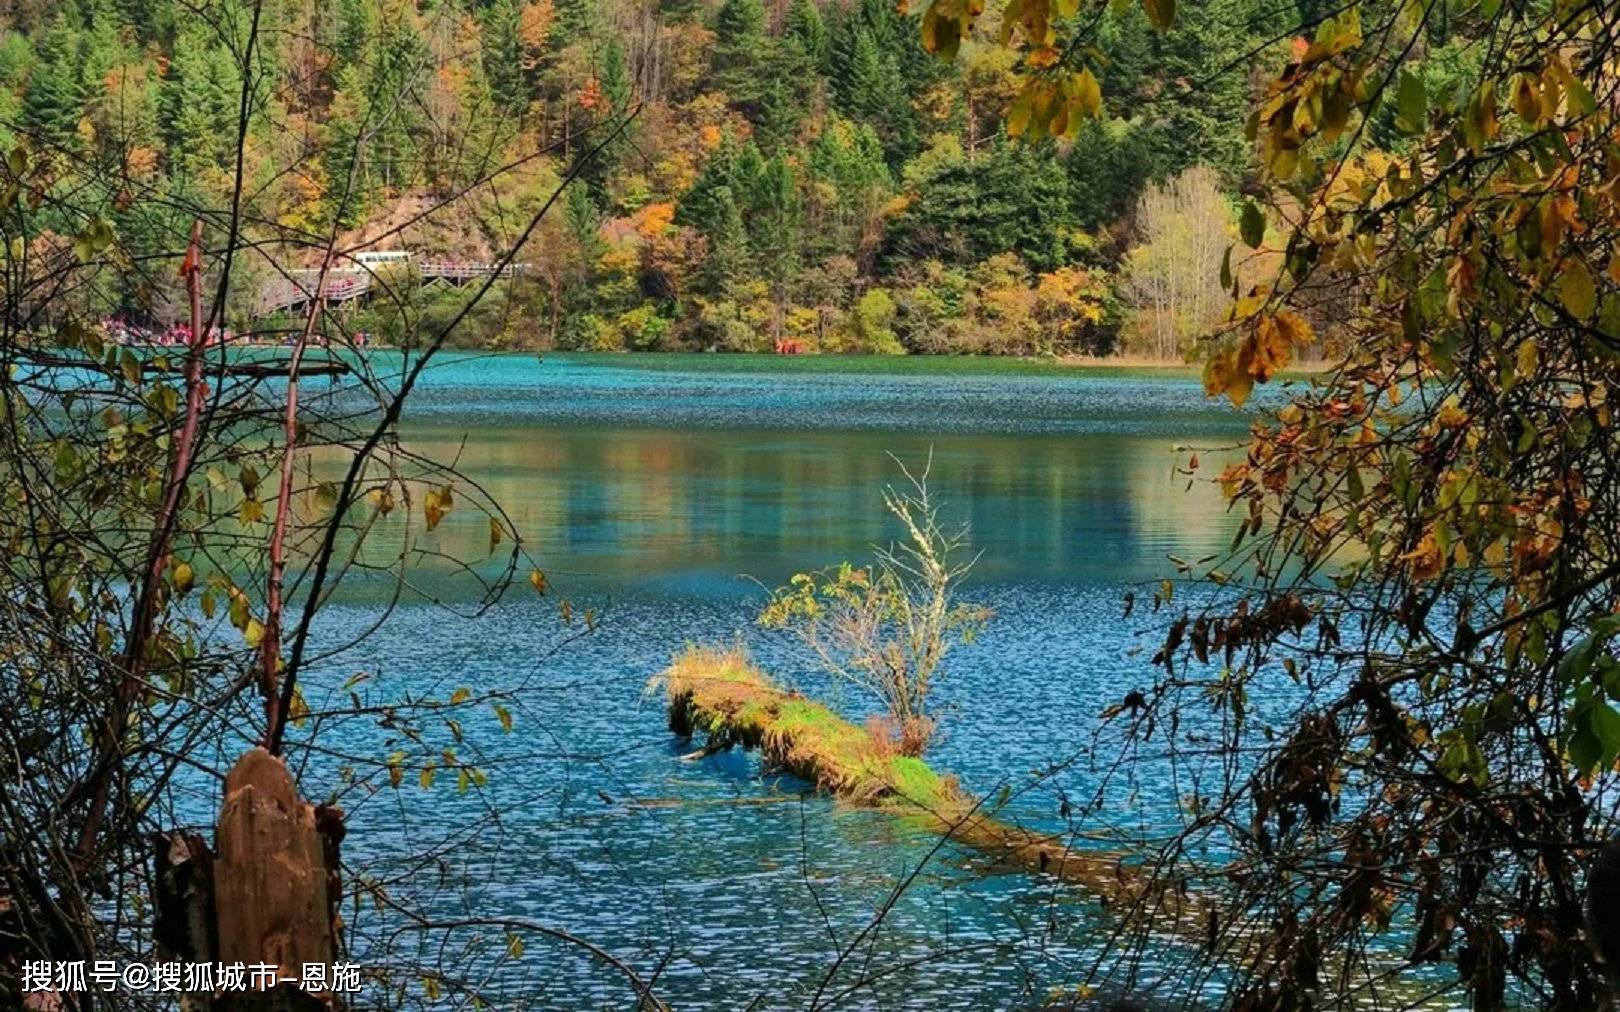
(272, 895)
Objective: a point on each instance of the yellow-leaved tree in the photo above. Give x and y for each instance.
(1427, 571)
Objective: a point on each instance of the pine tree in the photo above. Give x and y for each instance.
(777, 219)
(849, 159)
(807, 29)
(869, 87)
(54, 101)
(1184, 110)
(615, 78)
(742, 53)
(197, 105)
(739, 22)
(701, 203)
(503, 57)
(584, 221)
(354, 27)
(1016, 200)
(730, 254)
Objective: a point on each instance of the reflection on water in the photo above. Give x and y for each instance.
(649, 490)
(625, 506)
(1062, 477)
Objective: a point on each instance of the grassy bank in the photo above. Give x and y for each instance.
(920, 365)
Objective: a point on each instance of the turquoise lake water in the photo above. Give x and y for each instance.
(656, 491)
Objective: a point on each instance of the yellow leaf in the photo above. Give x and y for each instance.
(1161, 12)
(1527, 358)
(495, 533)
(1087, 93)
(1019, 115)
(538, 581)
(1268, 347)
(1425, 560)
(1223, 376)
(1295, 328)
(1042, 57)
(1576, 289)
(436, 504)
(1451, 415)
(1526, 98)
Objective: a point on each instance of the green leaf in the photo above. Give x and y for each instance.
(1252, 225)
(1411, 104)
(1581, 101)
(1606, 728)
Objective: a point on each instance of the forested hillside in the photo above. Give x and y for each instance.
(795, 171)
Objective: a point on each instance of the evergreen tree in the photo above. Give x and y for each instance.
(1108, 167)
(776, 219)
(353, 19)
(584, 221)
(742, 52)
(868, 84)
(579, 20)
(54, 101)
(729, 252)
(197, 105)
(503, 58)
(613, 83)
(1016, 200)
(1184, 105)
(615, 78)
(848, 160)
(807, 29)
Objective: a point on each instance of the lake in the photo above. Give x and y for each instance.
(661, 492)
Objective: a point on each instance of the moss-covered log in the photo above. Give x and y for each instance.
(720, 694)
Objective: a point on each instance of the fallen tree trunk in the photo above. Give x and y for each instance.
(724, 696)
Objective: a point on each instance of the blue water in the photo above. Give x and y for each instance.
(655, 494)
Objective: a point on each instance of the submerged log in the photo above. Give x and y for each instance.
(721, 694)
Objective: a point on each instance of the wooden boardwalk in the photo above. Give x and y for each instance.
(346, 284)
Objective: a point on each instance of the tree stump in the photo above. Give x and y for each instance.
(273, 901)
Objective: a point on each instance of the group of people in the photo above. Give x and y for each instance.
(122, 331)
